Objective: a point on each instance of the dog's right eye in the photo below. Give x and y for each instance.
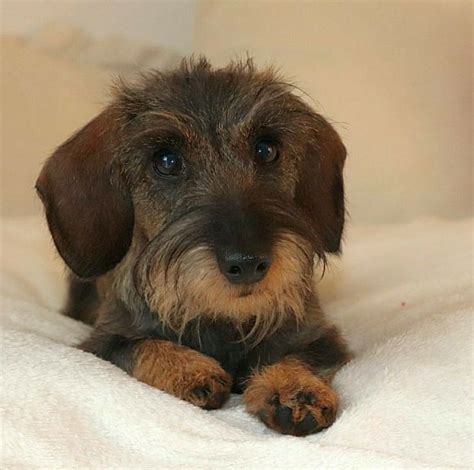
(167, 163)
(266, 152)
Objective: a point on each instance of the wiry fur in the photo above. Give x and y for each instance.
(146, 248)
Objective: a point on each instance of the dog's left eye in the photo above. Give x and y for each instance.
(266, 152)
(167, 163)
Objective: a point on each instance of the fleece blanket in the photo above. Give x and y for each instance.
(401, 294)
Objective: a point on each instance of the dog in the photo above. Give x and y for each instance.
(190, 213)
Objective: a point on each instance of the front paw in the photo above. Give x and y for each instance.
(182, 372)
(207, 388)
(290, 399)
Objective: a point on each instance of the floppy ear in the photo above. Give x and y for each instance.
(88, 206)
(320, 189)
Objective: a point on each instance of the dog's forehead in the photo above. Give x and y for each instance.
(204, 99)
(220, 99)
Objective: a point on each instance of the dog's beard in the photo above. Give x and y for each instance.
(179, 278)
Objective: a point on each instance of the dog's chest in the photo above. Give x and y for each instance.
(224, 343)
(220, 341)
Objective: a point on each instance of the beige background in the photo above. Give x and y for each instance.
(169, 23)
(395, 78)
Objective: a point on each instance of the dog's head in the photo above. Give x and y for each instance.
(213, 188)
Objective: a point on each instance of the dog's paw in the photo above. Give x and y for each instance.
(290, 399)
(200, 380)
(208, 389)
(183, 372)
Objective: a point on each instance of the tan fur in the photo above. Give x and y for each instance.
(198, 288)
(286, 384)
(183, 372)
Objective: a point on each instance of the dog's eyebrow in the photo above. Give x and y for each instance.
(273, 119)
(164, 122)
(274, 107)
(179, 119)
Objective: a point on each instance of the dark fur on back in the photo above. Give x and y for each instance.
(146, 250)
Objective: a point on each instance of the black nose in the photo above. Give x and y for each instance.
(241, 268)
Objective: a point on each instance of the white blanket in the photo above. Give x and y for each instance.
(401, 294)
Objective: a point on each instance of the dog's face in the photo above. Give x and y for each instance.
(214, 189)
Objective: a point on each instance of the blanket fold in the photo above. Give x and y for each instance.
(402, 295)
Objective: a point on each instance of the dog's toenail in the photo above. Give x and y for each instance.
(201, 392)
(306, 398)
(274, 400)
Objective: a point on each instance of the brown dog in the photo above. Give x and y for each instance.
(190, 212)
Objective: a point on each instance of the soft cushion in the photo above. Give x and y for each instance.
(402, 295)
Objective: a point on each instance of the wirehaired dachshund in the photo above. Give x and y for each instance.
(191, 213)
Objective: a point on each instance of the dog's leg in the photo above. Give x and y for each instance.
(294, 395)
(178, 370)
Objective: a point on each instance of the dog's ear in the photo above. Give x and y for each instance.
(320, 188)
(88, 206)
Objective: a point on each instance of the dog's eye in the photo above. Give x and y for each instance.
(167, 163)
(266, 152)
